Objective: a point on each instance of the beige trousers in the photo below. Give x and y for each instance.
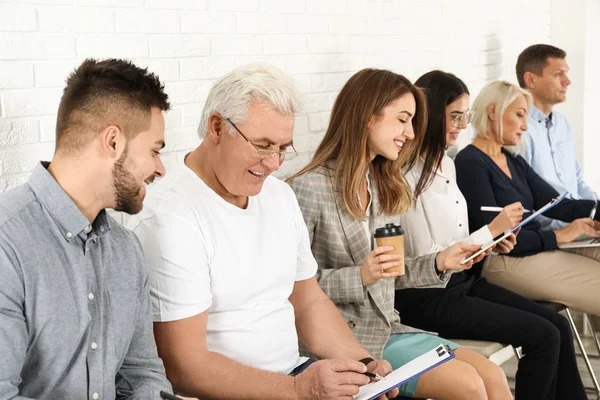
(570, 277)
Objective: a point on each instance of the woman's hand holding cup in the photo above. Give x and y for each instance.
(373, 269)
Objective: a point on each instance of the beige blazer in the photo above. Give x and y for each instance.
(340, 245)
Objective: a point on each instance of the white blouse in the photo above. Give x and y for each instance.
(438, 218)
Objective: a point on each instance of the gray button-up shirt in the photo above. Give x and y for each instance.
(74, 305)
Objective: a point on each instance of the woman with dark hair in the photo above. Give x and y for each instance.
(470, 307)
(352, 186)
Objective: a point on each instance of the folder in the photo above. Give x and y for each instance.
(412, 369)
(506, 234)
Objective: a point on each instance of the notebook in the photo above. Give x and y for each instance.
(414, 368)
(527, 220)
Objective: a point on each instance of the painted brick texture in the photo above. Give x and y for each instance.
(190, 43)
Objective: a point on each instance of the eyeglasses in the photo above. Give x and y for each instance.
(284, 154)
(458, 118)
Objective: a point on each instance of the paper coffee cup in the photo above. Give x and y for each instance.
(392, 235)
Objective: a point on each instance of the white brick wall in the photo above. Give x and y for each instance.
(190, 43)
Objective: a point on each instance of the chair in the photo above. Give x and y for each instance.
(496, 352)
(588, 322)
(561, 307)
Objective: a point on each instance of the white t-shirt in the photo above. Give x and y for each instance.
(204, 253)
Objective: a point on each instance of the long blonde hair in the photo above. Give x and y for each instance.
(363, 97)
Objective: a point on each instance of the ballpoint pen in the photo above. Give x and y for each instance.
(496, 209)
(168, 396)
(593, 212)
(373, 375)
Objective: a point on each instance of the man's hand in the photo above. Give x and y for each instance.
(383, 367)
(577, 228)
(450, 258)
(373, 269)
(331, 379)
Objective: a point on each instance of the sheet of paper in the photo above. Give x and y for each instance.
(416, 367)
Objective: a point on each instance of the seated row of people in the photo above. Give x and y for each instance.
(469, 307)
(242, 268)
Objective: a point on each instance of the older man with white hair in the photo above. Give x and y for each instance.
(232, 275)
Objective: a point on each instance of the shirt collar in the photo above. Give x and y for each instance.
(63, 210)
(540, 117)
(420, 165)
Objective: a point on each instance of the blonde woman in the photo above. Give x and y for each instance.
(489, 173)
(354, 185)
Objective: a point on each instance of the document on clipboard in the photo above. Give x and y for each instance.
(507, 233)
(414, 368)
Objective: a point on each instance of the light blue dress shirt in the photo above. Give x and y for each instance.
(550, 150)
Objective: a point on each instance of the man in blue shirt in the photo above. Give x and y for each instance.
(550, 149)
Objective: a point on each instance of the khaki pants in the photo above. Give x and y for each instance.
(570, 277)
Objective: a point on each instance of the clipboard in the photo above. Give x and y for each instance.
(507, 233)
(414, 368)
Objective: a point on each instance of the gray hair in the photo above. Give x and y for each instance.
(502, 94)
(232, 94)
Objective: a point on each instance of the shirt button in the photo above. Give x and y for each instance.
(95, 396)
(94, 346)
(102, 229)
(460, 225)
(91, 296)
(447, 181)
(68, 235)
(456, 201)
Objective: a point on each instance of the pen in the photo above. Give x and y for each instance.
(167, 396)
(373, 375)
(496, 209)
(593, 212)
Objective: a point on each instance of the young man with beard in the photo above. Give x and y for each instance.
(74, 308)
(232, 275)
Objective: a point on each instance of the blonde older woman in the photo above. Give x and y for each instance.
(489, 173)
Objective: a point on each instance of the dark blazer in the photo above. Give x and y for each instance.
(483, 183)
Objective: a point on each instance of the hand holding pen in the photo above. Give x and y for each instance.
(374, 375)
(508, 218)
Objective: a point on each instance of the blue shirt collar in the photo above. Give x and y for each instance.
(540, 117)
(63, 210)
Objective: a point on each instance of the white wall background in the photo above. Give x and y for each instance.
(581, 40)
(189, 43)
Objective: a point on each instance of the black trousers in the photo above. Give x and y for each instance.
(478, 310)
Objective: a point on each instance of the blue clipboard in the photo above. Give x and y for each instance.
(412, 369)
(539, 212)
(524, 222)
